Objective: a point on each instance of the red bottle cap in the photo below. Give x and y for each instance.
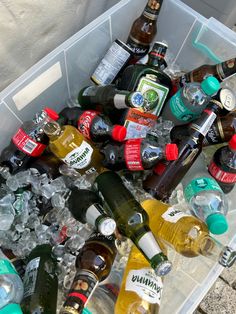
(232, 142)
(159, 169)
(119, 133)
(51, 113)
(171, 152)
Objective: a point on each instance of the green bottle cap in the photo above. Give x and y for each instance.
(86, 311)
(11, 309)
(161, 265)
(210, 85)
(217, 223)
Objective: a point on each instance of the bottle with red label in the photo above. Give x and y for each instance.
(93, 125)
(223, 166)
(137, 154)
(29, 141)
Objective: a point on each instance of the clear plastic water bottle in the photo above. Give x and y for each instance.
(189, 102)
(11, 287)
(205, 197)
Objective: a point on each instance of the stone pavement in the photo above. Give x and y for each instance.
(221, 298)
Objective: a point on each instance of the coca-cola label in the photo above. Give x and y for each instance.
(221, 175)
(27, 145)
(85, 121)
(132, 153)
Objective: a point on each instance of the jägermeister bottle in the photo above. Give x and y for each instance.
(40, 282)
(93, 264)
(131, 219)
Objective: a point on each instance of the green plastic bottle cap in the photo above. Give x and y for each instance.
(11, 309)
(210, 85)
(217, 223)
(86, 311)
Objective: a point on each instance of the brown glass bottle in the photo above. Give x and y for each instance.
(143, 30)
(161, 186)
(93, 265)
(221, 71)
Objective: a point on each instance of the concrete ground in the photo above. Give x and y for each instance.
(221, 298)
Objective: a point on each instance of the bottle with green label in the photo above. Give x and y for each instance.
(11, 285)
(206, 199)
(189, 102)
(149, 79)
(40, 282)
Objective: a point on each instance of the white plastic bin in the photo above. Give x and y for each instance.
(192, 39)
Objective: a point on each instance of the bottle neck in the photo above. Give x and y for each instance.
(152, 9)
(52, 129)
(226, 69)
(210, 248)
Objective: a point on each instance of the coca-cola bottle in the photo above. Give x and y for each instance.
(223, 165)
(29, 141)
(137, 154)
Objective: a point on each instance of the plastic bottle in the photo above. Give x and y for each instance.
(222, 167)
(11, 287)
(137, 154)
(205, 197)
(189, 102)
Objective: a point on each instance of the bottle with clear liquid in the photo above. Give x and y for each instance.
(11, 287)
(206, 199)
(69, 145)
(141, 289)
(189, 102)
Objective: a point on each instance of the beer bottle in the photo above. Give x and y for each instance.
(161, 186)
(69, 145)
(221, 71)
(40, 282)
(93, 264)
(86, 207)
(131, 219)
(144, 29)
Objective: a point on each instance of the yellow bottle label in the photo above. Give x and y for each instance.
(146, 284)
(80, 157)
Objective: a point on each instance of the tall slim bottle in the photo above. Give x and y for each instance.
(131, 218)
(190, 147)
(69, 145)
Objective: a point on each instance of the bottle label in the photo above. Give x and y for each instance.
(139, 49)
(80, 157)
(83, 286)
(212, 136)
(198, 185)
(109, 241)
(138, 123)
(179, 110)
(155, 94)
(205, 126)
(146, 284)
(132, 154)
(152, 9)
(173, 215)
(6, 267)
(221, 175)
(226, 69)
(85, 121)
(30, 277)
(111, 64)
(26, 144)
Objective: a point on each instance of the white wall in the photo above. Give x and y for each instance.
(29, 29)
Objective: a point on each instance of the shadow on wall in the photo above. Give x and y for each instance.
(30, 29)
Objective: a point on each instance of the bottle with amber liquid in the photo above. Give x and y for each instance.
(69, 145)
(93, 264)
(221, 71)
(144, 29)
(161, 186)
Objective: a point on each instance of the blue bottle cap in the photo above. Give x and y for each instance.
(217, 223)
(11, 309)
(210, 85)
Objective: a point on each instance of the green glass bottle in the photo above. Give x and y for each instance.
(40, 282)
(131, 219)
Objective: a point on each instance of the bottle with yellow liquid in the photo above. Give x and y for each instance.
(187, 234)
(69, 145)
(141, 288)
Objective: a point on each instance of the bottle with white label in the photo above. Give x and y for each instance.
(205, 197)
(69, 145)
(40, 282)
(86, 207)
(141, 288)
(11, 287)
(189, 102)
